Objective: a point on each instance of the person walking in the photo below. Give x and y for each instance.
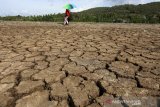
(67, 16)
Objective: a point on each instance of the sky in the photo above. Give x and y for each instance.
(41, 7)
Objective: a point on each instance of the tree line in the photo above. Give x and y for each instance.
(146, 13)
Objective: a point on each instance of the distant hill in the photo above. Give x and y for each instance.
(150, 8)
(142, 13)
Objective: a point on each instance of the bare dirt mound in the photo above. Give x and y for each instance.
(51, 65)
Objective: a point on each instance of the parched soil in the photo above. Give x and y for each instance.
(80, 65)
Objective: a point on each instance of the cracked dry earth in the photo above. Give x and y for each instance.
(80, 65)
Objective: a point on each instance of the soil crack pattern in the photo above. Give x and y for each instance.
(80, 65)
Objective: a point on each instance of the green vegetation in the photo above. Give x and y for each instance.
(147, 13)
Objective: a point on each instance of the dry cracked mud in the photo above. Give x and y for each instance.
(80, 65)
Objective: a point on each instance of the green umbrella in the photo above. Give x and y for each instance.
(69, 6)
